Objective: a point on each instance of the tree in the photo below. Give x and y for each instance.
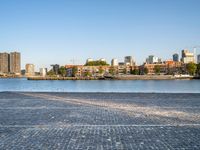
(87, 74)
(157, 69)
(146, 71)
(62, 71)
(135, 72)
(124, 71)
(51, 73)
(74, 71)
(101, 70)
(198, 69)
(112, 70)
(191, 68)
(96, 63)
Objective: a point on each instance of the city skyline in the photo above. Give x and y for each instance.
(65, 32)
(123, 59)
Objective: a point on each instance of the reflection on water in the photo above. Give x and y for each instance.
(171, 86)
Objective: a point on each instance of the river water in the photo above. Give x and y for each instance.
(161, 86)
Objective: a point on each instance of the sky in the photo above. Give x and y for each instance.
(70, 31)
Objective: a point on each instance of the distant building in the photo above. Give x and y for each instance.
(23, 72)
(121, 64)
(128, 60)
(55, 68)
(96, 71)
(187, 57)
(102, 59)
(82, 70)
(4, 63)
(43, 72)
(167, 67)
(175, 57)
(114, 62)
(198, 58)
(89, 60)
(15, 63)
(46, 70)
(30, 70)
(123, 68)
(153, 60)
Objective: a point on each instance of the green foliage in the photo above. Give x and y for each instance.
(124, 71)
(198, 69)
(74, 71)
(101, 70)
(157, 69)
(135, 72)
(146, 71)
(62, 71)
(112, 71)
(87, 74)
(96, 63)
(51, 73)
(191, 68)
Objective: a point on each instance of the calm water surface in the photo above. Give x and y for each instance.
(172, 86)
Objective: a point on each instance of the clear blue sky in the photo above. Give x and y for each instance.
(56, 31)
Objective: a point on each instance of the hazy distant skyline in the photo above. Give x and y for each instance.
(57, 31)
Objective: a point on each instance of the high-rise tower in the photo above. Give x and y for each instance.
(128, 60)
(175, 57)
(15, 63)
(4, 63)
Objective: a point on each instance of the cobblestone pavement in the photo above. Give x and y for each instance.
(99, 121)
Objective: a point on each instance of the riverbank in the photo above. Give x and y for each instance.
(120, 77)
(13, 76)
(64, 78)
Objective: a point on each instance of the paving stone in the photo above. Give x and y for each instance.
(99, 121)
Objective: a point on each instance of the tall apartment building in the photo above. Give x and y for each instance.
(30, 70)
(198, 58)
(153, 60)
(128, 60)
(187, 57)
(15, 63)
(55, 68)
(4, 63)
(43, 72)
(175, 57)
(114, 62)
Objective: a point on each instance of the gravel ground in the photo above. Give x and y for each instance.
(99, 121)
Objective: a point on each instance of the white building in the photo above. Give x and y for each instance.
(102, 59)
(114, 62)
(89, 60)
(187, 57)
(43, 72)
(153, 60)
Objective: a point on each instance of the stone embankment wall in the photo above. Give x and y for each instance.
(120, 77)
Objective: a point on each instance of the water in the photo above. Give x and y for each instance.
(171, 86)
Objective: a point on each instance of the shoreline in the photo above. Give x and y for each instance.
(122, 77)
(93, 93)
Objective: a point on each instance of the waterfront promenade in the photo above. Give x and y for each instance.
(99, 121)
